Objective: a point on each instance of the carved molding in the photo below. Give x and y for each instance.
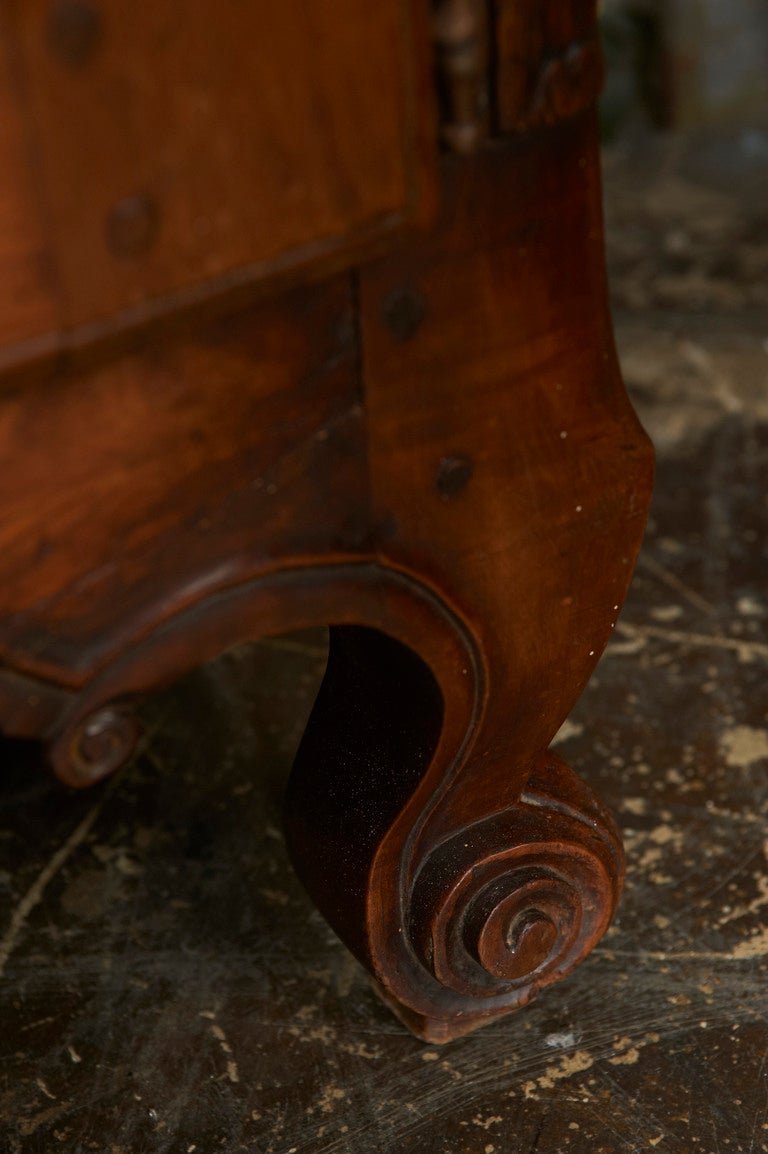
(567, 84)
(460, 30)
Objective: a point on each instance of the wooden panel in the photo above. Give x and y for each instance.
(27, 302)
(181, 140)
(131, 490)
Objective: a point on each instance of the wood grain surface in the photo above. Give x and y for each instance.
(166, 982)
(432, 453)
(29, 304)
(175, 155)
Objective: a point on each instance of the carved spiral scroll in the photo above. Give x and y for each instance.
(516, 901)
(95, 745)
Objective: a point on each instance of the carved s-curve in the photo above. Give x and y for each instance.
(459, 925)
(368, 594)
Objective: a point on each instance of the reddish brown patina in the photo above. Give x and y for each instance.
(306, 322)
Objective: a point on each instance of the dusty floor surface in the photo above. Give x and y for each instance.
(166, 985)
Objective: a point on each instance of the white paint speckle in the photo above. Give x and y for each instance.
(749, 607)
(560, 1040)
(743, 745)
(667, 612)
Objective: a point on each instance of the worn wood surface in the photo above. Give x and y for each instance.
(28, 304)
(167, 984)
(158, 162)
(433, 452)
(172, 439)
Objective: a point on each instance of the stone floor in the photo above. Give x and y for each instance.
(166, 985)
